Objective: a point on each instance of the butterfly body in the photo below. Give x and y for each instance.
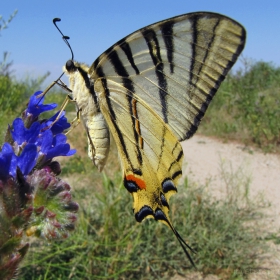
(151, 90)
(96, 127)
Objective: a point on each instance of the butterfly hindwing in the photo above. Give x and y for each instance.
(150, 154)
(151, 161)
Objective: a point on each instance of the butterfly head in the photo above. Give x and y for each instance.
(77, 73)
(79, 81)
(70, 66)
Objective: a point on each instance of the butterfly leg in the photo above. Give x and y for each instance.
(56, 82)
(75, 122)
(68, 99)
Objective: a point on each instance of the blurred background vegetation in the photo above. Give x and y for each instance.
(108, 243)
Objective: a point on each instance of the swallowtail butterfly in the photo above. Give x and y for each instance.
(151, 90)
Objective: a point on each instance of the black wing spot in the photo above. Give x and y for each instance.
(137, 171)
(176, 174)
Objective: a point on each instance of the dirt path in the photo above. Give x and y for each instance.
(206, 158)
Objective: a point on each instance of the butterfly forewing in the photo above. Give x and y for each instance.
(175, 66)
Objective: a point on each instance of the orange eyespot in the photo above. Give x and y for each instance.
(139, 182)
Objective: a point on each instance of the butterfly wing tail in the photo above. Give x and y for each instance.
(160, 216)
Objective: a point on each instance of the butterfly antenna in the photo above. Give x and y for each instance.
(58, 81)
(64, 38)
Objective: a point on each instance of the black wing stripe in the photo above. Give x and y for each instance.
(235, 55)
(126, 49)
(207, 48)
(112, 114)
(176, 174)
(194, 78)
(162, 146)
(214, 89)
(179, 157)
(194, 40)
(154, 49)
(167, 34)
(128, 85)
(88, 84)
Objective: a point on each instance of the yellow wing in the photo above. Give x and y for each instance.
(154, 87)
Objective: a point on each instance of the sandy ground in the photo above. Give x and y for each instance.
(205, 160)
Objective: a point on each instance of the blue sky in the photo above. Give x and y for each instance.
(36, 47)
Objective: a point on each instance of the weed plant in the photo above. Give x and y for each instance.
(109, 244)
(14, 96)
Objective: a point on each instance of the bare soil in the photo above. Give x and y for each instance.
(205, 161)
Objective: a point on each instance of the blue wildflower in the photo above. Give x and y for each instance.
(8, 162)
(60, 125)
(27, 159)
(53, 146)
(36, 106)
(37, 143)
(21, 134)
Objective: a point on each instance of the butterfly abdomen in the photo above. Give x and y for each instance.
(87, 104)
(98, 140)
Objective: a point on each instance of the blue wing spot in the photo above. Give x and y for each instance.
(159, 216)
(143, 213)
(163, 200)
(168, 185)
(131, 186)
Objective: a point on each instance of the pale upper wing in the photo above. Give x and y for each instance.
(175, 66)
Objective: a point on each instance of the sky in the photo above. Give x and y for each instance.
(35, 46)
